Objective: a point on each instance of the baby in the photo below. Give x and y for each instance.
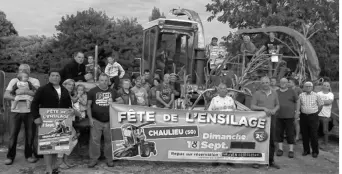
(22, 84)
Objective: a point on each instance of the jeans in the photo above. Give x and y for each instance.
(309, 126)
(15, 125)
(96, 132)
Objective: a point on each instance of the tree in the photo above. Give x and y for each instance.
(6, 27)
(81, 32)
(321, 16)
(156, 14)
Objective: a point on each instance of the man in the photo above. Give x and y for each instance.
(126, 96)
(75, 70)
(247, 46)
(222, 102)
(274, 84)
(213, 43)
(51, 95)
(22, 114)
(294, 84)
(164, 94)
(272, 46)
(99, 99)
(147, 76)
(267, 100)
(308, 106)
(162, 57)
(140, 92)
(286, 117)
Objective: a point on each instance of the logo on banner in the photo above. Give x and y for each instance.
(260, 135)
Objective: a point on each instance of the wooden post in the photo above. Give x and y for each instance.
(95, 63)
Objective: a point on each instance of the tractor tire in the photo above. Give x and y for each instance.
(145, 151)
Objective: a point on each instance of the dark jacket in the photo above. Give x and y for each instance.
(126, 96)
(74, 71)
(47, 97)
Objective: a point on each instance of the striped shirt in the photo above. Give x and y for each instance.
(309, 103)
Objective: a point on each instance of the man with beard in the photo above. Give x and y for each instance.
(267, 100)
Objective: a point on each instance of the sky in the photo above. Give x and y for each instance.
(39, 17)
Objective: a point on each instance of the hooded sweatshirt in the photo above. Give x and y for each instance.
(114, 69)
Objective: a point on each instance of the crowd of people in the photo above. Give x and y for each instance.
(288, 106)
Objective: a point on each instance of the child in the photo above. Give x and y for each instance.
(80, 101)
(90, 68)
(115, 71)
(22, 84)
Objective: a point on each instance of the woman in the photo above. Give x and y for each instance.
(69, 84)
(152, 93)
(324, 116)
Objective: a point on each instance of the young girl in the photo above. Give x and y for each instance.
(80, 100)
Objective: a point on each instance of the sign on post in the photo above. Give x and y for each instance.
(154, 134)
(55, 134)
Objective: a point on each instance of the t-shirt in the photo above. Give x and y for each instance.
(100, 102)
(326, 110)
(271, 47)
(222, 104)
(261, 99)
(140, 94)
(22, 107)
(298, 91)
(165, 94)
(287, 101)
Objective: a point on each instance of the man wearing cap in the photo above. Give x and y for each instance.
(308, 106)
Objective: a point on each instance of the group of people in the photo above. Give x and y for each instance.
(287, 105)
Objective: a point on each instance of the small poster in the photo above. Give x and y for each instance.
(217, 56)
(55, 133)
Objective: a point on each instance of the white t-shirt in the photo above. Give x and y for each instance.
(326, 110)
(22, 108)
(222, 104)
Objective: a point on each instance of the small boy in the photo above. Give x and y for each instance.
(115, 71)
(90, 69)
(22, 84)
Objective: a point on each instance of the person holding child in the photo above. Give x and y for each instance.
(22, 84)
(114, 70)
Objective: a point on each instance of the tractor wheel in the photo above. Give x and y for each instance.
(145, 151)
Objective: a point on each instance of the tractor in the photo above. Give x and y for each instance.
(134, 142)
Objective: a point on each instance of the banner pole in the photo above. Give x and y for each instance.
(96, 65)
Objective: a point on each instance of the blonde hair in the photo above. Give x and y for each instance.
(80, 85)
(67, 81)
(26, 66)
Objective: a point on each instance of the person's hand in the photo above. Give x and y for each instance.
(297, 115)
(268, 112)
(38, 121)
(88, 76)
(20, 92)
(273, 111)
(91, 122)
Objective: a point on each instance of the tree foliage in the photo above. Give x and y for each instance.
(320, 15)
(6, 27)
(156, 14)
(81, 32)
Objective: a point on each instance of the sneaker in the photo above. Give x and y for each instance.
(291, 154)
(92, 164)
(110, 163)
(274, 165)
(314, 155)
(280, 152)
(305, 153)
(31, 160)
(8, 162)
(256, 166)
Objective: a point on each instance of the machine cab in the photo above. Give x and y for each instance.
(168, 45)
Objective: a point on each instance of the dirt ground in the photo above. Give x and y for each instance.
(327, 162)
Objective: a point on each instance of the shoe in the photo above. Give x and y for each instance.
(215, 164)
(314, 155)
(274, 165)
(32, 160)
(280, 152)
(305, 153)
(256, 166)
(8, 162)
(291, 154)
(110, 163)
(92, 164)
(231, 164)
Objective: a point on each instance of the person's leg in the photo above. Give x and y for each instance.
(314, 124)
(272, 145)
(15, 125)
(29, 137)
(108, 153)
(305, 133)
(14, 104)
(48, 159)
(95, 143)
(297, 129)
(325, 125)
(116, 82)
(290, 134)
(280, 135)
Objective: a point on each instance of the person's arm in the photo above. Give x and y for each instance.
(172, 99)
(36, 103)
(107, 70)
(7, 94)
(122, 72)
(277, 106)
(160, 99)
(253, 47)
(329, 101)
(146, 98)
(320, 103)
(242, 48)
(90, 116)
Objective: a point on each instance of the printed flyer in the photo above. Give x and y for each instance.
(217, 55)
(155, 134)
(56, 131)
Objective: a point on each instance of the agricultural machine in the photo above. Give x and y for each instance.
(134, 142)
